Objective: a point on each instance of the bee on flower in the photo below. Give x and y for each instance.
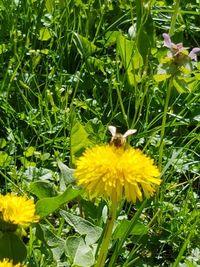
(116, 171)
(118, 139)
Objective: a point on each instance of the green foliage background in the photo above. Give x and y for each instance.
(68, 69)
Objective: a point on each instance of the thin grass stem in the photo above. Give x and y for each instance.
(174, 17)
(164, 123)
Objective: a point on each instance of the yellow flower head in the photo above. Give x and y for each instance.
(17, 210)
(7, 263)
(115, 172)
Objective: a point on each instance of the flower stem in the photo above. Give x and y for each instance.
(174, 17)
(107, 235)
(164, 123)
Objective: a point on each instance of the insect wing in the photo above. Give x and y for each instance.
(129, 132)
(112, 130)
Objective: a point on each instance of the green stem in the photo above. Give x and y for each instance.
(164, 123)
(122, 105)
(107, 235)
(174, 17)
(127, 232)
(10, 181)
(185, 244)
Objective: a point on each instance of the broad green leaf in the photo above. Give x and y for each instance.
(44, 156)
(79, 139)
(96, 131)
(3, 48)
(29, 152)
(12, 247)
(27, 164)
(54, 242)
(5, 159)
(48, 205)
(192, 82)
(2, 143)
(66, 175)
(96, 211)
(150, 27)
(125, 48)
(131, 59)
(189, 263)
(88, 46)
(138, 229)
(45, 51)
(161, 77)
(143, 44)
(129, 228)
(95, 64)
(180, 85)
(33, 173)
(186, 69)
(133, 78)
(197, 75)
(44, 34)
(145, 30)
(137, 60)
(42, 189)
(165, 60)
(111, 37)
(36, 60)
(80, 253)
(91, 232)
(139, 9)
(85, 47)
(50, 5)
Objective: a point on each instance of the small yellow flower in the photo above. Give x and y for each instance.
(17, 210)
(7, 263)
(115, 173)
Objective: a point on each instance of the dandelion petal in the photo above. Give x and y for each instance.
(117, 173)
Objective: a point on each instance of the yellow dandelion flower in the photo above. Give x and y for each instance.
(7, 263)
(17, 210)
(115, 172)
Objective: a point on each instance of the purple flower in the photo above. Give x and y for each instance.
(175, 48)
(178, 49)
(192, 54)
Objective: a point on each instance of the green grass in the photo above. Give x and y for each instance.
(68, 69)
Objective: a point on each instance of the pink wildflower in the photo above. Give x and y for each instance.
(178, 49)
